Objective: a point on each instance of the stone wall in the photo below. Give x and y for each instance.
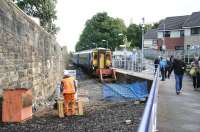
(29, 56)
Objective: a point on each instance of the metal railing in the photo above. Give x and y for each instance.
(127, 65)
(134, 66)
(149, 118)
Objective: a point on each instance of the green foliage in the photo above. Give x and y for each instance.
(101, 27)
(134, 35)
(150, 26)
(155, 25)
(44, 10)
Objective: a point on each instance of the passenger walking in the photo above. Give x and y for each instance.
(179, 69)
(163, 64)
(156, 63)
(167, 67)
(170, 63)
(195, 72)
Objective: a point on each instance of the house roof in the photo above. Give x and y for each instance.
(193, 20)
(151, 34)
(171, 23)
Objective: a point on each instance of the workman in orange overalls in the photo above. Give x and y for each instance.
(68, 88)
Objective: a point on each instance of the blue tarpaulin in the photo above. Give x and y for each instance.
(133, 91)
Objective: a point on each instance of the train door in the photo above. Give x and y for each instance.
(95, 60)
(108, 59)
(101, 60)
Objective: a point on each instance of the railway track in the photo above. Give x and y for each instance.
(99, 115)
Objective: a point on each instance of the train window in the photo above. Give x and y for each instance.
(107, 56)
(95, 56)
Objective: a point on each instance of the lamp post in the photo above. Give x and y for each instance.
(106, 42)
(142, 55)
(124, 45)
(95, 44)
(163, 46)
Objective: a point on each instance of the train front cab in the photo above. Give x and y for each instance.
(102, 60)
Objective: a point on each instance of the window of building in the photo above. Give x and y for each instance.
(179, 47)
(182, 33)
(167, 34)
(154, 42)
(188, 46)
(195, 30)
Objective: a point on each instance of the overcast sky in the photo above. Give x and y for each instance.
(72, 14)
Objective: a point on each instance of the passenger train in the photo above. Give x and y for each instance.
(98, 61)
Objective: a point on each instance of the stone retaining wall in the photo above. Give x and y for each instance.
(29, 56)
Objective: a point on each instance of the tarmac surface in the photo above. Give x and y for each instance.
(178, 113)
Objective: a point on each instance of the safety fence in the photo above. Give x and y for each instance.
(151, 53)
(187, 54)
(146, 67)
(127, 65)
(149, 118)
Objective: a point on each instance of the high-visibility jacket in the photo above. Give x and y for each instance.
(68, 85)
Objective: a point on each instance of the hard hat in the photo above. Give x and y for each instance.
(66, 73)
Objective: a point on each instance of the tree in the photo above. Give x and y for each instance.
(134, 35)
(101, 27)
(155, 25)
(44, 10)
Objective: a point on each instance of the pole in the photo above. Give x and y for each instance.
(107, 44)
(142, 55)
(163, 40)
(125, 54)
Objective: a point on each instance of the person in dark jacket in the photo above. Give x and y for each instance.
(179, 69)
(156, 64)
(170, 64)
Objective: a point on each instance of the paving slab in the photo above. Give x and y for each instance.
(178, 113)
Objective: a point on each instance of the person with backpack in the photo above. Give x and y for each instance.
(162, 64)
(195, 72)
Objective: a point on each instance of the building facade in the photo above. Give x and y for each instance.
(170, 33)
(150, 39)
(192, 31)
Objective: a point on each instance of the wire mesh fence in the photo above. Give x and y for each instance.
(146, 67)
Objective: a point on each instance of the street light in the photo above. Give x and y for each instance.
(95, 44)
(106, 42)
(142, 56)
(124, 45)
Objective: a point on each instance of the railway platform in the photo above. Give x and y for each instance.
(175, 113)
(178, 113)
